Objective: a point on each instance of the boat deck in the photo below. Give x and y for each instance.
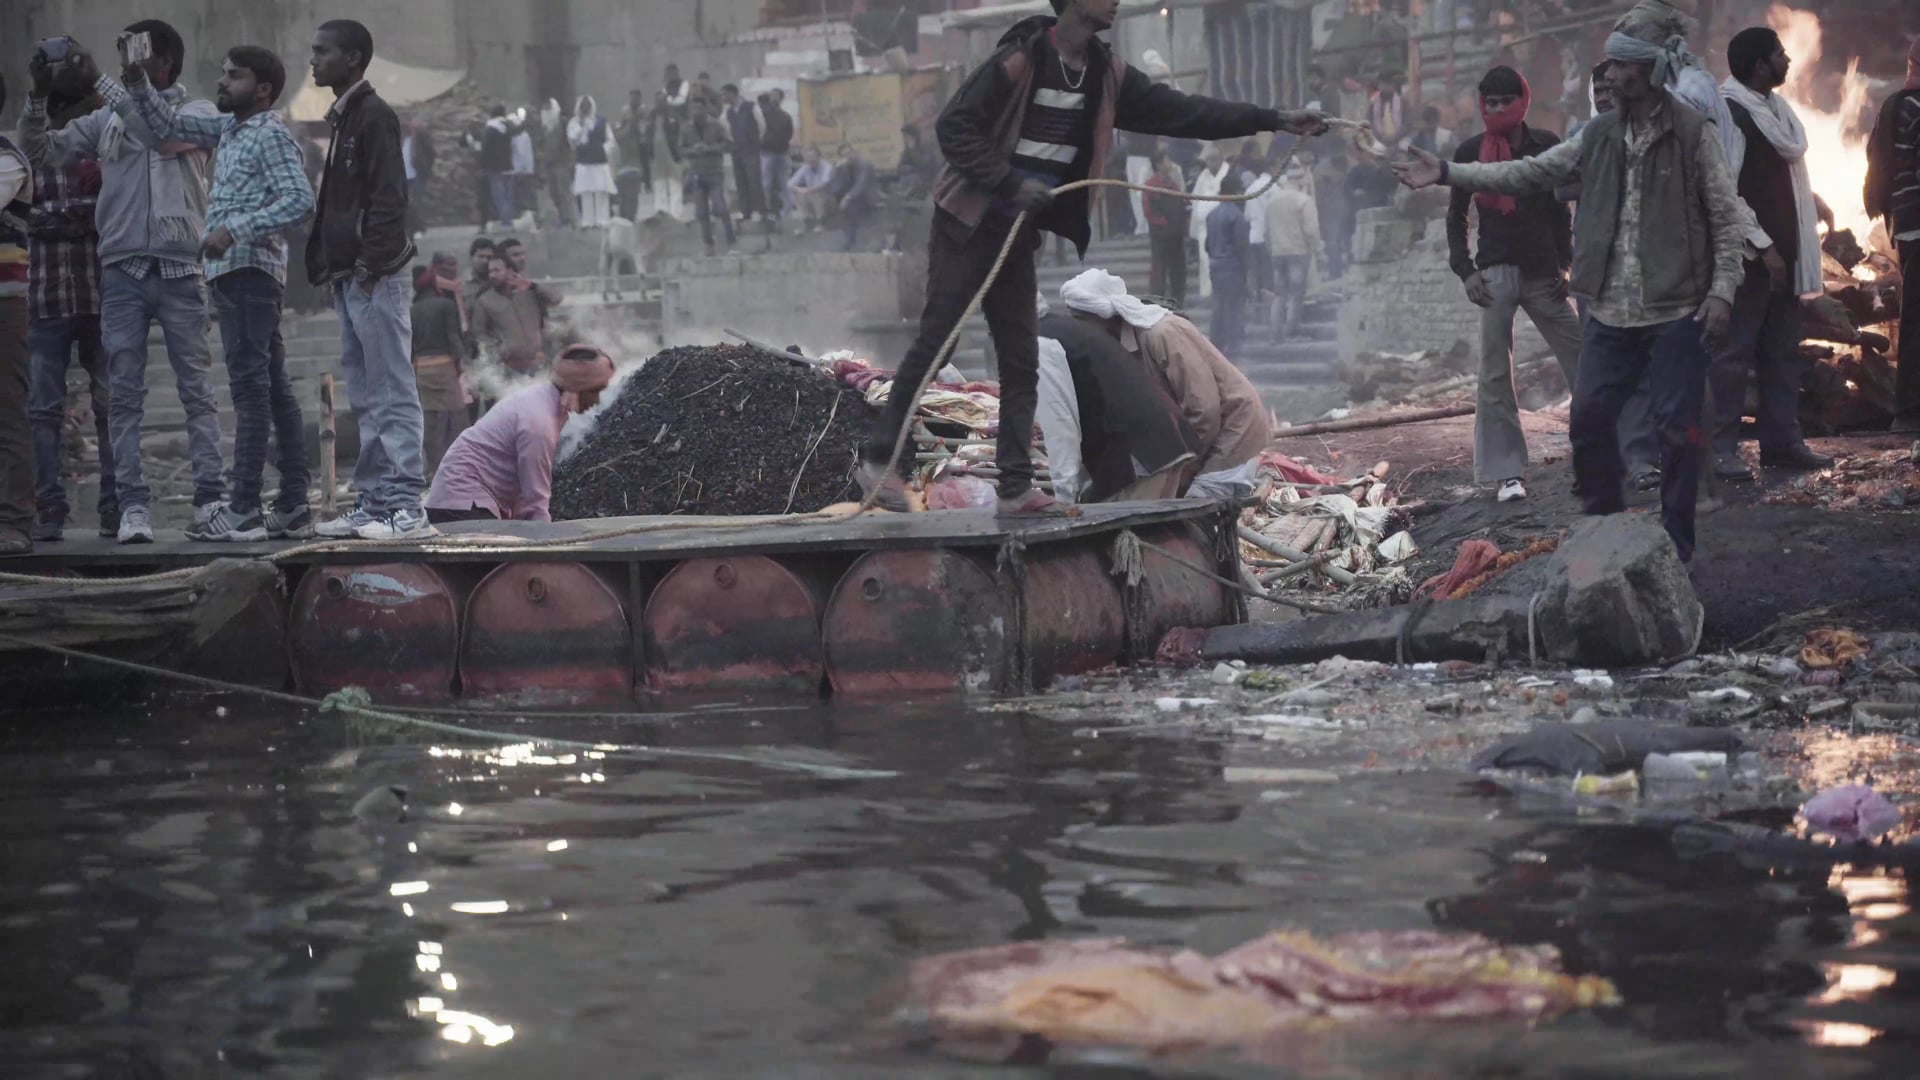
(663, 538)
(600, 611)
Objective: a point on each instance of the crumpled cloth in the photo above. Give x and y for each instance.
(959, 493)
(1832, 647)
(1854, 812)
(1104, 295)
(1111, 992)
(1604, 747)
(1474, 559)
(1292, 471)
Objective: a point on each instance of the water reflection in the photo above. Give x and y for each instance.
(196, 907)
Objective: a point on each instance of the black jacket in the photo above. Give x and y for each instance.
(779, 134)
(1125, 414)
(1537, 237)
(360, 214)
(1766, 186)
(979, 128)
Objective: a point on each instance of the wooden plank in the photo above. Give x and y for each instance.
(953, 528)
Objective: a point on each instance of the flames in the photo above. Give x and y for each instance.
(1836, 140)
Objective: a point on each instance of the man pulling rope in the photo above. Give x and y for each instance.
(1039, 116)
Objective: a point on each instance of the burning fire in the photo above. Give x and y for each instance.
(1836, 142)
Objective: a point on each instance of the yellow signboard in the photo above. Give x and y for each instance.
(868, 111)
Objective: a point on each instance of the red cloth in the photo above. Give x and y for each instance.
(1476, 557)
(1497, 143)
(1913, 65)
(1294, 472)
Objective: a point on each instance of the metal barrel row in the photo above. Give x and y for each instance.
(923, 621)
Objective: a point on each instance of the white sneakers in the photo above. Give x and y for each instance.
(1511, 491)
(136, 526)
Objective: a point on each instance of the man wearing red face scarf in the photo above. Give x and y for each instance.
(1893, 193)
(1524, 252)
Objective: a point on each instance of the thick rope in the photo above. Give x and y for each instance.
(940, 359)
(355, 702)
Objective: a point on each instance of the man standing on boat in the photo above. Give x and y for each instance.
(1040, 114)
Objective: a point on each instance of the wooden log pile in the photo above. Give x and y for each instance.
(1847, 336)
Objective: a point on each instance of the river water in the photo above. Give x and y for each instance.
(190, 892)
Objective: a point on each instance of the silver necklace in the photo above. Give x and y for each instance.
(1067, 77)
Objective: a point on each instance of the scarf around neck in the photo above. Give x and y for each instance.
(1781, 127)
(1498, 143)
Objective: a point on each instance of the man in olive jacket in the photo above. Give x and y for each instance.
(1041, 113)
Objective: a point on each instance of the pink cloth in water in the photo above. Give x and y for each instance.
(1854, 812)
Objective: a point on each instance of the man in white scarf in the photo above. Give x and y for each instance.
(1229, 421)
(1769, 161)
(1206, 187)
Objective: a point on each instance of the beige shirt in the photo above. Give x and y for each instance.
(1218, 402)
(1620, 302)
(1293, 223)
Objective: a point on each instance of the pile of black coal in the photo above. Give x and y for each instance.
(720, 429)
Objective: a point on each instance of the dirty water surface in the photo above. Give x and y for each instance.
(193, 892)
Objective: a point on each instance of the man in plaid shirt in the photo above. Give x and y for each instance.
(63, 313)
(259, 191)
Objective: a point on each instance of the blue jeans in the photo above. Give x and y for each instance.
(52, 343)
(773, 179)
(500, 189)
(248, 304)
(376, 352)
(708, 194)
(128, 308)
(1673, 359)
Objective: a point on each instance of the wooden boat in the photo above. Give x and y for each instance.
(154, 618)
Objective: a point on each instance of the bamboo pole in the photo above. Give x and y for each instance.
(329, 452)
(1369, 423)
(1268, 543)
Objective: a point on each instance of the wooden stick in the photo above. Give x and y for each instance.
(1295, 569)
(329, 452)
(1267, 543)
(1369, 423)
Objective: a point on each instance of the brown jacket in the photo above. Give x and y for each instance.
(1219, 403)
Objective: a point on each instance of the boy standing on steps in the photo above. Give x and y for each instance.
(1041, 113)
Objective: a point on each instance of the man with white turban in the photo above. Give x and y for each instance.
(1113, 433)
(1230, 422)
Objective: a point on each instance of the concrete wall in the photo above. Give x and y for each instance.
(1405, 298)
(819, 302)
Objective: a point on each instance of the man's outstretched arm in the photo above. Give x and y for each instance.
(1521, 176)
(1152, 108)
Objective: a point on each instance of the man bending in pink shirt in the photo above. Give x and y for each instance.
(502, 467)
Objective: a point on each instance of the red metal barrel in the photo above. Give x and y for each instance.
(392, 628)
(930, 620)
(252, 648)
(1172, 595)
(1076, 618)
(738, 624)
(543, 633)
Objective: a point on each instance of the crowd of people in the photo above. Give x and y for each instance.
(129, 203)
(1661, 248)
(1674, 279)
(689, 151)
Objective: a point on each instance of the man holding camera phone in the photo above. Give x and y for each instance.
(151, 218)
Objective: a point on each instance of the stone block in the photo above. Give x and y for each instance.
(1618, 596)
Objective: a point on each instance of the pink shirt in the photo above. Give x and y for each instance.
(504, 463)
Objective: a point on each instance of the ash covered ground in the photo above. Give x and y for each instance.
(720, 429)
